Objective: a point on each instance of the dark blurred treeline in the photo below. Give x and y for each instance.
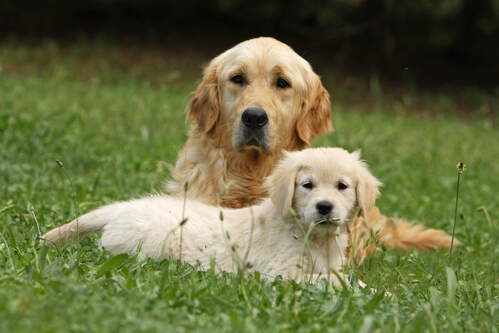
(383, 32)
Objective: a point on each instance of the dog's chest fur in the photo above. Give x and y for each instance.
(222, 177)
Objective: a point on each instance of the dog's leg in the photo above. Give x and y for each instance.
(91, 222)
(79, 227)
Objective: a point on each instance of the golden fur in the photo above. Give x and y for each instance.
(217, 170)
(218, 173)
(287, 234)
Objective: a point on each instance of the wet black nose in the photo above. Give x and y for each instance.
(324, 207)
(255, 117)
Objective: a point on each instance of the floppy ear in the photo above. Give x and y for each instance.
(281, 185)
(315, 118)
(367, 187)
(204, 107)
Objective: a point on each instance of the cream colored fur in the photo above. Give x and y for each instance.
(280, 236)
(219, 172)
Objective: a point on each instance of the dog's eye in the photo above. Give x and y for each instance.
(308, 185)
(341, 186)
(238, 79)
(282, 83)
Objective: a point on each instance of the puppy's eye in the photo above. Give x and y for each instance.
(341, 186)
(308, 185)
(282, 83)
(238, 79)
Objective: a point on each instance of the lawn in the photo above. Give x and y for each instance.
(85, 125)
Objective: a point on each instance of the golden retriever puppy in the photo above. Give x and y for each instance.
(255, 101)
(299, 233)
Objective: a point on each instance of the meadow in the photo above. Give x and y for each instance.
(86, 124)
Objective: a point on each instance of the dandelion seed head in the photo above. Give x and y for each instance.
(461, 167)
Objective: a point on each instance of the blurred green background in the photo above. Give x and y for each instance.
(434, 47)
(441, 42)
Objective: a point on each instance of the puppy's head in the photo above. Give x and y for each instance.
(261, 95)
(324, 187)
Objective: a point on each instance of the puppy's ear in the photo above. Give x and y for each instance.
(367, 187)
(315, 117)
(281, 185)
(204, 107)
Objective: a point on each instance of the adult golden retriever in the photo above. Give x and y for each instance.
(255, 101)
(326, 188)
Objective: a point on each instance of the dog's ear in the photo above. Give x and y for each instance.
(204, 107)
(367, 186)
(315, 117)
(281, 185)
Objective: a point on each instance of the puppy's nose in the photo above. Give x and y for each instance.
(324, 207)
(255, 118)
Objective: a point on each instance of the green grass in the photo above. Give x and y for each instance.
(116, 131)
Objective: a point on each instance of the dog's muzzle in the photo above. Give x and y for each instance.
(324, 209)
(254, 118)
(254, 124)
(328, 222)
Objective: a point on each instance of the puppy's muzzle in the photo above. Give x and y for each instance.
(254, 118)
(324, 209)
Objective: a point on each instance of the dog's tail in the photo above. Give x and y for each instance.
(79, 227)
(367, 234)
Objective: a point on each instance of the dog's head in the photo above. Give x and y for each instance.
(324, 187)
(260, 95)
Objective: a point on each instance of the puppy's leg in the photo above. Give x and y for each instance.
(83, 225)
(128, 214)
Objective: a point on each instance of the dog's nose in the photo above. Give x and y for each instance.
(255, 117)
(324, 207)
